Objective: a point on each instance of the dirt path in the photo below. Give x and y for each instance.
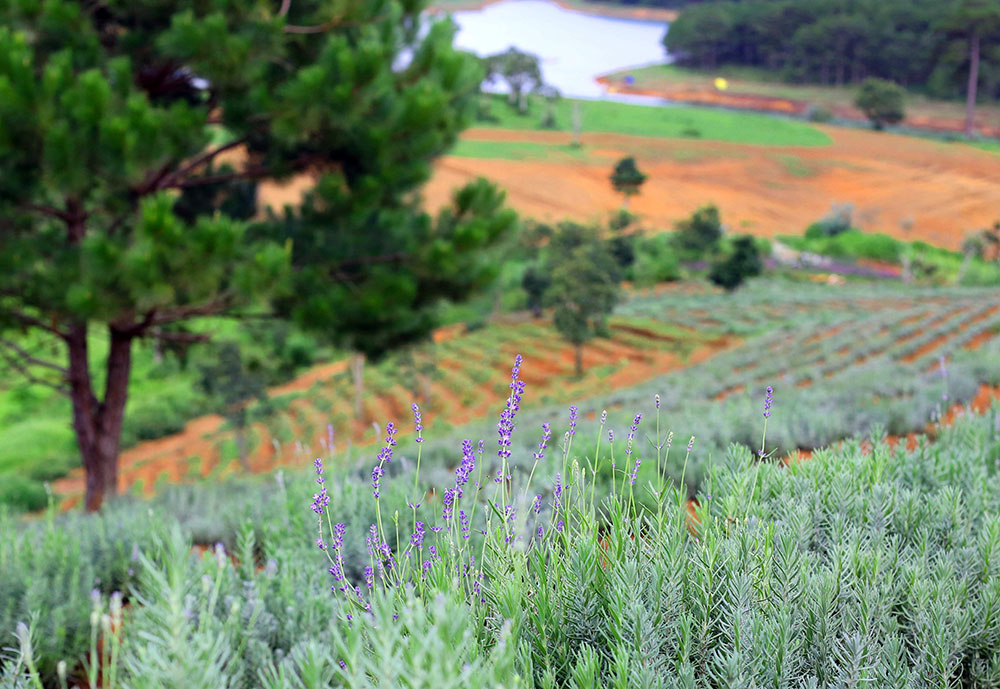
(940, 190)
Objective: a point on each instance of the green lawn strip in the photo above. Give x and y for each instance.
(667, 121)
(519, 150)
(762, 82)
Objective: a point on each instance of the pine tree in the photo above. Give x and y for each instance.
(115, 119)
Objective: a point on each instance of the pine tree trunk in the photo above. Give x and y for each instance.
(358, 371)
(579, 361)
(970, 94)
(98, 425)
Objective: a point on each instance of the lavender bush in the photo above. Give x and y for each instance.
(854, 568)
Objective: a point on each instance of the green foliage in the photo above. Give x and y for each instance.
(109, 114)
(519, 70)
(536, 283)
(673, 122)
(701, 232)
(881, 101)
(585, 284)
(863, 562)
(742, 263)
(656, 260)
(840, 219)
(918, 43)
(626, 177)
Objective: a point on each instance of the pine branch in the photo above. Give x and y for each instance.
(26, 373)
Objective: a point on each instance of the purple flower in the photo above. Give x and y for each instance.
(656, 400)
(540, 531)
(537, 506)
(611, 435)
(448, 500)
(635, 470)
(417, 539)
(417, 423)
(464, 469)
(631, 433)
(557, 493)
(463, 520)
(604, 417)
(320, 500)
(384, 457)
(377, 472)
(691, 444)
(767, 402)
(572, 419)
(546, 436)
(369, 577)
(505, 427)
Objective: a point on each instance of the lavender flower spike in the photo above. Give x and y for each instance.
(418, 423)
(767, 402)
(572, 419)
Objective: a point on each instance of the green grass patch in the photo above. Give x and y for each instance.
(668, 122)
(795, 166)
(518, 150)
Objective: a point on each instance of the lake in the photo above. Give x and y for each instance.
(575, 48)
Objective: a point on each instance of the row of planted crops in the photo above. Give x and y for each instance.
(563, 555)
(850, 359)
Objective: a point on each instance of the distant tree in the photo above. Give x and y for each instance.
(744, 262)
(971, 20)
(627, 179)
(701, 232)
(536, 282)
(881, 101)
(521, 72)
(625, 231)
(585, 286)
(233, 383)
(118, 221)
(551, 95)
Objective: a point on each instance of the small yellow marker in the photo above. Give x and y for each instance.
(721, 84)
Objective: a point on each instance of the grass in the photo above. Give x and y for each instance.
(519, 150)
(863, 563)
(681, 122)
(762, 82)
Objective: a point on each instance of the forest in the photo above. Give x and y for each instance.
(920, 44)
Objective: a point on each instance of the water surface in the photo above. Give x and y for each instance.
(575, 48)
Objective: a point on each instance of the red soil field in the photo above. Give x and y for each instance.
(941, 190)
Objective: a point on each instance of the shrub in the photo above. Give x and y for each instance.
(744, 262)
(22, 494)
(881, 101)
(656, 260)
(701, 232)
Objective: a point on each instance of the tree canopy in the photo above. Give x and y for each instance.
(131, 136)
(881, 101)
(922, 44)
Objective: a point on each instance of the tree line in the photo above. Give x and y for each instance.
(943, 48)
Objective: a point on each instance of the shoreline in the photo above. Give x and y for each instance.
(599, 9)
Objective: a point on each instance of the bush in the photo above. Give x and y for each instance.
(837, 221)
(656, 261)
(743, 263)
(701, 232)
(881, 101)
(22, 494)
